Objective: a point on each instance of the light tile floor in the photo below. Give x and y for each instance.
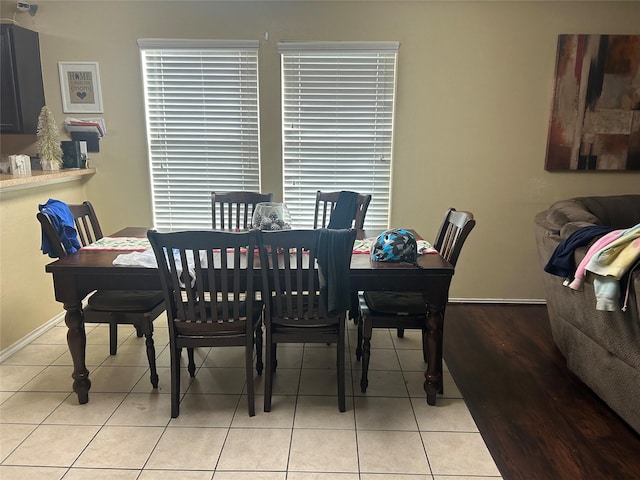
(125, 431)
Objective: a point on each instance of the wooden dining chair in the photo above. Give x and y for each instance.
(402, 310)
(326, 204)
(208, 284)
(233, 211)
(306, 293)
(113, 307)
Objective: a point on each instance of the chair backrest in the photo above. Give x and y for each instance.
(452, 234)
(234, 210)
(204, 279)
(326, 204)
(291, 286)
(48, 230)
(86, 222)
(297, 269)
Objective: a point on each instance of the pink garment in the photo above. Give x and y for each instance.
(599, 244)
(610, 264)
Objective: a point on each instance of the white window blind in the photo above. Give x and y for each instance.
(337, 114)
(201, 100)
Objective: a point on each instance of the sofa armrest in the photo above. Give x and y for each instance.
(571, 211)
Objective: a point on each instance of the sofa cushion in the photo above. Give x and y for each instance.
(619, 211)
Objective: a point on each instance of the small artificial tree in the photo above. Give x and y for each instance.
(48, 141)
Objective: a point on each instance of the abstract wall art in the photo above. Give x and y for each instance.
(595, 113)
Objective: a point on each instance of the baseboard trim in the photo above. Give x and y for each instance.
(523, 301)
(27, 339)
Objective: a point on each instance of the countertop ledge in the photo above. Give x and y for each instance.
(43, 177)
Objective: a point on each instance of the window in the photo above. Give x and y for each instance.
(201, 100)
(337, 114)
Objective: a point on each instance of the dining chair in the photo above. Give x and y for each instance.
(234, 210)
(326, 203)
(113, 307)
(305, 280)
(208, 285)
(402, 310)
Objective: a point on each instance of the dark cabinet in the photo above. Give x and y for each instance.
(21, 87)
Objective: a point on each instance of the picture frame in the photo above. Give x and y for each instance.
(80, 87)
(595, 115)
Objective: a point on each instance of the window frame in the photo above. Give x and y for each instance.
(368, 177)
(199, 146)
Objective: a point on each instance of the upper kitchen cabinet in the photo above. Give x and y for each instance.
(21, 90)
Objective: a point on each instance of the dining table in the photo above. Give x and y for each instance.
(77, 275)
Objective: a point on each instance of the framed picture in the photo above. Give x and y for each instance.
(595, 116)
(80, 86)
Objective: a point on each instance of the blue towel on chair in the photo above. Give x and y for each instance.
(64, 225)
(345, 210)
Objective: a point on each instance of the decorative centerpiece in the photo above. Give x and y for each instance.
(271, 216)
(48, 143)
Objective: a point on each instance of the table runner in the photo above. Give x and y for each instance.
(133, 244)
(141, 244)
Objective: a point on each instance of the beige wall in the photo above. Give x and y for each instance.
(26, 292)
(473, 102)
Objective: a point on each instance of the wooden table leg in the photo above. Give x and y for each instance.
(433, 375)
(77, 342)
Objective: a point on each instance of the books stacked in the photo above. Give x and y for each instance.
(85, 125)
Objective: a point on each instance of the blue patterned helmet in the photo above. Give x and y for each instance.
(396, 245)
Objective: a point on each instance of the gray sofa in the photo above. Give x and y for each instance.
(602, 348)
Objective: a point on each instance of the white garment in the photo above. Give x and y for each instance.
(140, 259)
(147, 259)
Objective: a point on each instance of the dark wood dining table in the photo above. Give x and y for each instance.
(78, 274)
